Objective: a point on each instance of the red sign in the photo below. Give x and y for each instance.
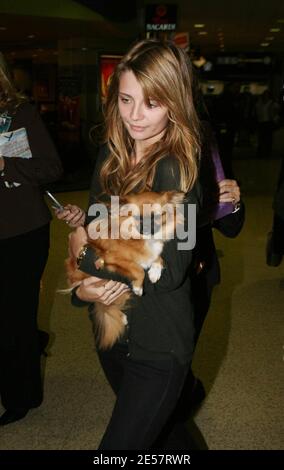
(108, 64)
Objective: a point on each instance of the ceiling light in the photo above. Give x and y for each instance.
(199, 25)
(265, 44)
(202, 33)
(275, 30)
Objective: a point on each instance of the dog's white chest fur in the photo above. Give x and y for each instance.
(155, 248)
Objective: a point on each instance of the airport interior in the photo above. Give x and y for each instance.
(62, 54)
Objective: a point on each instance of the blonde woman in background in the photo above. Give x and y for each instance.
(24, 244)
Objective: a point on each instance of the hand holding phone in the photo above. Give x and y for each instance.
(55, 204)
(72, 215)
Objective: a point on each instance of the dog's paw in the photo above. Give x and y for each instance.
(155, 272)
(137, 290)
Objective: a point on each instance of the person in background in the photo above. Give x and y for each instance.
(226, 122)
(275, 241)
(24, 244)
(267, 115)
(223, 210)
(207, 274)
(152, 142)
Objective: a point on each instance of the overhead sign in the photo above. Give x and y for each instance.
(161, 17)
(240, 65)
(237, 60)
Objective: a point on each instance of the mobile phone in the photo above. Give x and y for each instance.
(55, 204)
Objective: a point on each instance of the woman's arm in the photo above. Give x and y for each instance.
(92, 290)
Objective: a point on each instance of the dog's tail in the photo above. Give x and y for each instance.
(108, 324)
(68, 290)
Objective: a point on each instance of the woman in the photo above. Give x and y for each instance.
(24, 244)
(152, 141)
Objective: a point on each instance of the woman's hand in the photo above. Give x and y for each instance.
(229, 191)
(77, 239)
(92, 290)
(73, 215)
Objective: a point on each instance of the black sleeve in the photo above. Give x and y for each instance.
(44, 166)
(76, 302)
(231, 224)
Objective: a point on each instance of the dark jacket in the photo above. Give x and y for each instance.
(23, 208)
(229, 225)
(161, 321)
(205, 251)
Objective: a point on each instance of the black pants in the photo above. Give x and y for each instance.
(146, 394)
(278, 235)
(201, 298)
(22, 262)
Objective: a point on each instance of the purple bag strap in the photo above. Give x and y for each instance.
(222, 208)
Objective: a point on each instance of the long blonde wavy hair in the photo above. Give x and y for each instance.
(10, 98)
(164, 72)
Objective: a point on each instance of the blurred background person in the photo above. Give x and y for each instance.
(267, 115)
(275, 241)
(226, 122)
(24, 244)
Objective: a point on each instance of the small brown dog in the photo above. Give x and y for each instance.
(145, 221)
